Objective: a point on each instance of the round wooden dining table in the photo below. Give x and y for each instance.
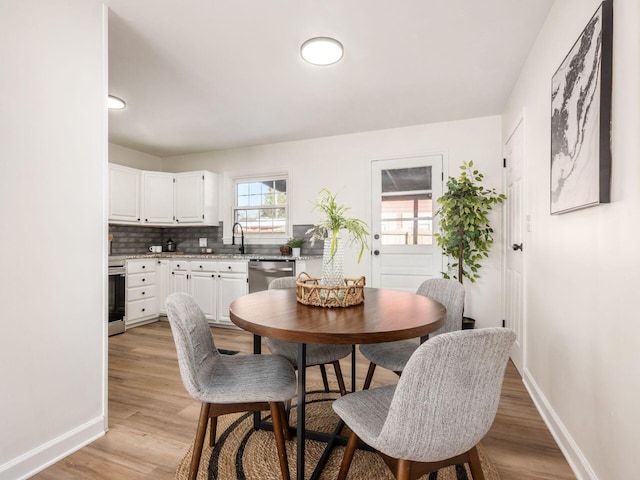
(385, 316)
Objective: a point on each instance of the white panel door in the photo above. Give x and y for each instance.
(514, 265)
(404, 192)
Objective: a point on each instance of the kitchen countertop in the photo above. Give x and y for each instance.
(212, 256)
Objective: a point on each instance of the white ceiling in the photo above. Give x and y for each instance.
(200, 75)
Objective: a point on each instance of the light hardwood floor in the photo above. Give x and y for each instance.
(152, 419)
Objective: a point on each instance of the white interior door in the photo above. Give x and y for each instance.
(404, 192)
(514, 265)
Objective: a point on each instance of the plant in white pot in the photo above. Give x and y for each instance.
(332, 222)
(465, 230)
(296, 245)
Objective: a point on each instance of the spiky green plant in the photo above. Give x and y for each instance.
(465, 230)
(333, 220)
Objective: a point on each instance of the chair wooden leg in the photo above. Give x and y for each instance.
(212, 431)
(352, 444)
(323, 371)
(284, 418)
(369, 377)
(276, 418)
(199, 440)
(339, 377)
(474, 464)
(403, 469)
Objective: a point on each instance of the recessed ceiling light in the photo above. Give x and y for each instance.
(322, 50)
(115, 103)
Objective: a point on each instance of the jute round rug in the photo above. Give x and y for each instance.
(241, 453)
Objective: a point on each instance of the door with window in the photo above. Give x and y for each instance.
(404, 193)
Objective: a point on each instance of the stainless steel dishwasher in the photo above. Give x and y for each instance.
(262, 272)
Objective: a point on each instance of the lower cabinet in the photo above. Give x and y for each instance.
(141, 296)
(213, 285)
(230, 287)
(203, 288)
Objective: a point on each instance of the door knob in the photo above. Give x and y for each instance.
(376, 252)
(516, 246)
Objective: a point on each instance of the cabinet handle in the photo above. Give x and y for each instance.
(178, 265)
(229, 267)
(144, 279)
(213, 275)
(142, 293)
(173, 273)
(200, 266)
(143, 309)
(144, 266)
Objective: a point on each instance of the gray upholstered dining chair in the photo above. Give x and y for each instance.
(317, 354)
(224, 383)
(443, 405)
(395, 355)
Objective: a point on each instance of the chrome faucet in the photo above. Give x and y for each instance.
(233, 237)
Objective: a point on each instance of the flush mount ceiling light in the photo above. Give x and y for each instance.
(115, 103)
(321, 51)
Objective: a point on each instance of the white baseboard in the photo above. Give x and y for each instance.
(576, 459)
(36, 460)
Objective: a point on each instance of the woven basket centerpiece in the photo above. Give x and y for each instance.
(310, 292)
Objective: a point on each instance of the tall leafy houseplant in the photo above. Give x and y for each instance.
(465, 230)
(333, 220)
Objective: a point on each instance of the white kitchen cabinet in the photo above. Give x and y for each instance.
(311, 266)
(196, 197)
(179, 281)
(124, 194)
(203, 286)
(141, 296)
(232, 284)
(158, 198)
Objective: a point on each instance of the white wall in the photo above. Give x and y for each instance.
(133, 158)
(53, 216)
(582, 323)
(342, 164)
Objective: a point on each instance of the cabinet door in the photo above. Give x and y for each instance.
(230, 287)
(190, 197)
(179, 281)
(124, 194)
(157, 195)
(203, 290)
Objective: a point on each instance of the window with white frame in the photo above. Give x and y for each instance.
(260, 205)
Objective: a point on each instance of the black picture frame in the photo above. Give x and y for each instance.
(580, 173)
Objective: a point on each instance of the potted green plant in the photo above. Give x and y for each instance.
(465, 230)
(296, 245)
(333, 220)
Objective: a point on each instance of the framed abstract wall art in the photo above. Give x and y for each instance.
(581, 118)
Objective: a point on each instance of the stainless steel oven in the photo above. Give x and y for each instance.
(116, 296)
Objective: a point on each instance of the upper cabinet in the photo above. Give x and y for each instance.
(124, 194)
(196, 194)
(158, 198)
(161, 198)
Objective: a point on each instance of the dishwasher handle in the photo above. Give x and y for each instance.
(271, 270)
